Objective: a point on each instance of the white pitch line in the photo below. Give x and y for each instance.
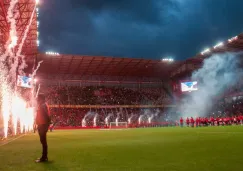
(11, 140)
(113, 129)
(220, 132)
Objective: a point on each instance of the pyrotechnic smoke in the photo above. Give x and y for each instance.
(117, 118)
(5, 89)
(15, 112)
(23, 63)
(155, 114)
(95, 120)
(25, 33)
(12, 41)
(6, 103)
(33, 96)
(29, 118)
(12, 21)
(108, 118)
(89, 114)
(130, 119)
(38, 66)
(38, 89)
(218, 73)
(144, 116)
(13, 106)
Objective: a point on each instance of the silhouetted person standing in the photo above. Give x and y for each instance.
(43, 122)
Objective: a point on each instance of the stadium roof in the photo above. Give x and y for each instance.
(234, 44)
(23, 11)
(77, 65)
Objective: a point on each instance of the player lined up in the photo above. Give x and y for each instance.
(211, 121)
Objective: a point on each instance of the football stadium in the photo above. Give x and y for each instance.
(113, 113)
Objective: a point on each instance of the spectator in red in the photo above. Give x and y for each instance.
(225, 120)
(212, 121)
(181, 122)
(197, 122)
(187, 121)
(192, 122)
(217, 119)
(206, 121)
(238, 119)
(234, 119)
(241, 119)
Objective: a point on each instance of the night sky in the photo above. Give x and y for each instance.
(151, 29)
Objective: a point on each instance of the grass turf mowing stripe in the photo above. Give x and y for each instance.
(10, 140)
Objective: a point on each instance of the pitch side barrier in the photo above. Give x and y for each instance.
(111, 106)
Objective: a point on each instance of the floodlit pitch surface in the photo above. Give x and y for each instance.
(177, 149)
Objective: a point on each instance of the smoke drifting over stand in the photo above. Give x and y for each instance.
(218, 73)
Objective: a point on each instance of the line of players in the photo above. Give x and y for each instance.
(200, 121)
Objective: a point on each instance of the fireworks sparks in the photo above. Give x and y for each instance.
(38, 66)
(12, 21)
(23, 64)
(17, 112)
(5, 108)
(14, 107)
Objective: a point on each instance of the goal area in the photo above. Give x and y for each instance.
(118, 125)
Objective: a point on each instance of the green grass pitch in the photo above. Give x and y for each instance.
(150, 149)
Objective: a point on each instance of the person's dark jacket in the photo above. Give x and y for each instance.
(43, 116)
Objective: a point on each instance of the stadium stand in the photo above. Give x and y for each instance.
(100, 95)
(77, 85)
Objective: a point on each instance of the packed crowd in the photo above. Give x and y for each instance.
(237, 88)
(223, 113)
(99, 95)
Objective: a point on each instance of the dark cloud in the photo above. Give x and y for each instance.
(133, 10)
(137, 28)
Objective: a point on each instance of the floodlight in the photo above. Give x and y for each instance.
(205, 51)
(218, 45)
(232, 39)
